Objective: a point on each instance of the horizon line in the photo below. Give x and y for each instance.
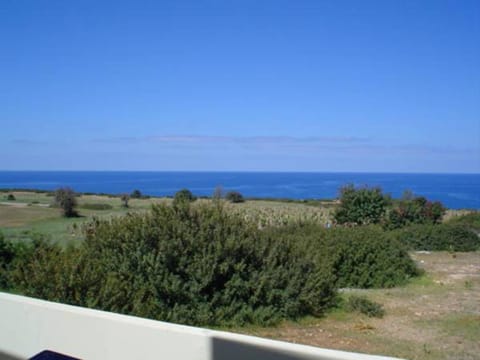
(255, 171)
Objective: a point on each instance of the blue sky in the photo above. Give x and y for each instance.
(389, 86)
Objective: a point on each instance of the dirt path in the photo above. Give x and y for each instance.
(434, 317)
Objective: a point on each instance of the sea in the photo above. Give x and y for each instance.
(455, 191)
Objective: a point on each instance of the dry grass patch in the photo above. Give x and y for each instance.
(19, 215)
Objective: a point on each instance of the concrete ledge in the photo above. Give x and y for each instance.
(29, 326)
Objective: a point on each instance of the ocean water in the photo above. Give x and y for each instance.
(456, 191)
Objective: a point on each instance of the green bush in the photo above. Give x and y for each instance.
(361, 206)
(369, 258)
(11, 197)
(96, 206)
(361, 257)
(11, 254)
(7, 254)
(234, 197)
(364, 306)
(414, 210)
(183, 196)
(471, 221)
(136, 194)
(446, 237)
(195, 265)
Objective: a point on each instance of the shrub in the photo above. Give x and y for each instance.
(10, 254)
(7, 254)
(136, 194)
(368, 258)
(364, 306)
(234, 197)
(361, 206)
(196, 265)
(414, 210)
(65, 199)
(362, 257)
(125, 199)
(471, 221)
(96, 206)
(183, 196)
(443, 237)
(50, 272)
(11, 197)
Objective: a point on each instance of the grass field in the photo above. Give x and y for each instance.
(31, 212)
(436, 316)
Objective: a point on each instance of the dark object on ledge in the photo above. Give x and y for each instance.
(51, 355)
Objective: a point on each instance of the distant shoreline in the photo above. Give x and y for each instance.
(455, 191)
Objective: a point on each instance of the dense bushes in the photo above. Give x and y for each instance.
(412, 209)
(438, 237)
(136, 194)
(470, 221)
(234, 197)
(196, 265)
(183, 196)
(362, 257)
(12, 255)
(361, 206)
(367, 257)
(7, 254)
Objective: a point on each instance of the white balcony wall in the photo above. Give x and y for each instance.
(29, 326)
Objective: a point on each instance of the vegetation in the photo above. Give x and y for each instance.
(234, 197)
(363, 257)
(183, 196)
(11, 197)
(364, 306)
(414, 210)
(446, 237)
(65, 199)
(96, 206)
(215, 263)
(7, 254)
(195, 265)
(471, 221)
(361, 206)
(125, 199)
(266, 214)
(136, 194)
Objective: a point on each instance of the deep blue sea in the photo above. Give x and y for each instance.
(456, 191)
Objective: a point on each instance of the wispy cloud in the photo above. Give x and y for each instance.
(28, 142)
(254, 140)
(346, 145)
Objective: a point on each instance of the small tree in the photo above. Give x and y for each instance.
(234, 197)
(65, 199)
(125, 198)
(183, 196)
(217, 193)
(361, 206)
(11, 197)
(136, 194)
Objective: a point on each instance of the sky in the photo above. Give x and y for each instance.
(351, 86)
